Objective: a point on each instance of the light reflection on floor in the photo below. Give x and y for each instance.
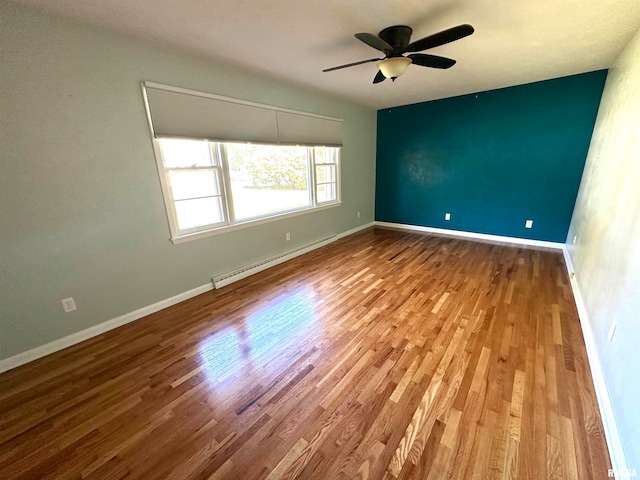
(262, 336)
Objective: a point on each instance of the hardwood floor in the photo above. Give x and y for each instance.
(385, 355)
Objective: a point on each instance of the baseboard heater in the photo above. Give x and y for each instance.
(249, 270)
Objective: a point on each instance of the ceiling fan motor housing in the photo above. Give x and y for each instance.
(398, 36)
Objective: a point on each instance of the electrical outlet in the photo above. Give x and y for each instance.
(288, 236)
(528, 224)
(447, 216)
(358, 214)
(68, 304)
(612, 330)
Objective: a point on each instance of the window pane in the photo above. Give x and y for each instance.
(325, 173)
(326, 192)
(325, 154)
(267, 179)
(194, 183)
(198, 212)
(185, 153)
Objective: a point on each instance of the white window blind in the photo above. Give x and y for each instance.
(185, 113)
(297, 129)
(175, 114)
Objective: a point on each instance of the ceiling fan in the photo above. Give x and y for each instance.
(394, 42)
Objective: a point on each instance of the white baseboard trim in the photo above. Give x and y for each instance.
(77, 337)
(82, 335)
(355, 230)
(248, 270)
(611, 433)
(244, 272)
(477, 236)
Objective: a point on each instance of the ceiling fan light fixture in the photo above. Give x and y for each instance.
(394, 67)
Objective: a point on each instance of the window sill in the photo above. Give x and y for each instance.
(251, 223)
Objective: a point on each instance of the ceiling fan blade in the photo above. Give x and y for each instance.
(434, 61)
(440, 38)
(373, 41)
(379, 77)
(351, 64)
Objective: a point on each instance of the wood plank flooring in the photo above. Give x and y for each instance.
(385, 355)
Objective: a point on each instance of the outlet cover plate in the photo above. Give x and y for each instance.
(68, 304)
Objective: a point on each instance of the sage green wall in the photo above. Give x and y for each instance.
(81, 210)
(606, 255)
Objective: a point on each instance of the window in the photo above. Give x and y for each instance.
(326, 164)
(210, 185)
(193, 176)
(225, 162)
(267, 179)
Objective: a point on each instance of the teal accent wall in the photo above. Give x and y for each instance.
(492, 159)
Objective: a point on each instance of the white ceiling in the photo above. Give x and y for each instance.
(515, 42)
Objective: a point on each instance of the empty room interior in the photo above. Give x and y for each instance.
(329, 240)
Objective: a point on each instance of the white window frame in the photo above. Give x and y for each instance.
(216, 165)
(336, 182)
(229, 223)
